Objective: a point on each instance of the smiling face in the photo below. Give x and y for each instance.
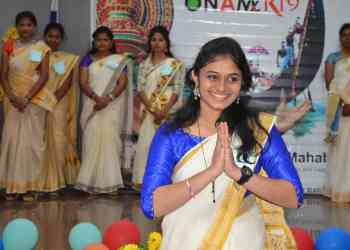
(219, 83)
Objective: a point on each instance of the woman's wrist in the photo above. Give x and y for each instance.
(93, 96)
(111, 97)
(234, 172)
(213, 173)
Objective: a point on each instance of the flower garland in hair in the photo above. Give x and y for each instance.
(10, 34)
(8, 39)
(8, 46)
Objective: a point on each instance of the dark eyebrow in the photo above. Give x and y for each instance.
(232, 74)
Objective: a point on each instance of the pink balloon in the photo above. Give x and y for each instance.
(96, 247)
(303, 239)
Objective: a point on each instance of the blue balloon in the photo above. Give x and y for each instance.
(1, 245)
(84, 234)
(20, 234)
(333, 239)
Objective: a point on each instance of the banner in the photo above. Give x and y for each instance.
(286, 43)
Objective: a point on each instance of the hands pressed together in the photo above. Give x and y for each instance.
(223, 160)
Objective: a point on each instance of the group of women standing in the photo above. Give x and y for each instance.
(41, 107)
(38, 148)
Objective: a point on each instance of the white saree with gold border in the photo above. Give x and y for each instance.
(233, 222)
(103, 130)
(159, 82)
(23, 141)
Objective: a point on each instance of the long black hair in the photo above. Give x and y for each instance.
(240, 119)
(98, 31)
(164, 33)
(55, 26)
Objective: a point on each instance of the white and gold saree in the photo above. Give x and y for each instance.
(337, 186)
(104, 131)
(159, 82)
(61, 162)
(23, 141)
(232, 222)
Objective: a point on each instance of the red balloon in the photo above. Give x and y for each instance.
(120, 233)
(303, 239)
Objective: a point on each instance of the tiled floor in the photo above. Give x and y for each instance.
(55, 217)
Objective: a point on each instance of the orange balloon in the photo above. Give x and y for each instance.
(95, 246)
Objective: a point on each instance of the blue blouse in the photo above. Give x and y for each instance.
(333, 58)
(86, 61)
(169, 146)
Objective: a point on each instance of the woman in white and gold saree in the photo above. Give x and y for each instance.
(25, 64)
(216, 169)
(160, 84)
(61, 162)
(335, 78)
(337, 186)
(106, 116)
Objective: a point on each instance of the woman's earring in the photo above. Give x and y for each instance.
(237, 100)
(196, 93)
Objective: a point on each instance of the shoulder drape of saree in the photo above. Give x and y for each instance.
(72, 162)
(57, 171)
(106, 85)
(22, 80)
(157, 85)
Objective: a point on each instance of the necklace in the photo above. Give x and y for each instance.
(206, 164)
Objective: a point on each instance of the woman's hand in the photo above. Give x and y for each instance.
(230, 167)
(288, 117)
(19, 103)
(159, 116)
(218, 159)
(101, 102)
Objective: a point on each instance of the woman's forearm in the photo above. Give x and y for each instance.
(276, 191)
(44, 76)
(4, 76)
(120, 86)
(63, 90)
(170, 197)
